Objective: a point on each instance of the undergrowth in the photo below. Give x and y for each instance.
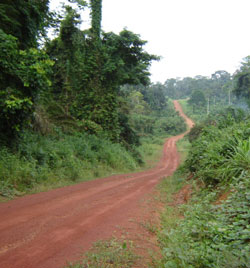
(151, 149)
(188, 110)
(213, 233)
(40, 163)
(158, 123)
(37, 162)
(108, 254)
(210, 235)
(43, 161)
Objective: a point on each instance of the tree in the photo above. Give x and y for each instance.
(24, 69)
(242, 80)
(90, 68)
(197, 99)
(137, 103)
(23, 78)
(126, 60)
(170, 88)
(24, 19)
(216, 88)
(155, 97)
(67, 51)
(220, 86)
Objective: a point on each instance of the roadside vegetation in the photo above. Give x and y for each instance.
(40, 162)
(110, 253)
(212, 229)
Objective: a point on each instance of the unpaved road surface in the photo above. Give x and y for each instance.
(47, 229)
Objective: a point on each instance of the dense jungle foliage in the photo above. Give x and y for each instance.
(75, 106)
(81, 106)
(214, 232)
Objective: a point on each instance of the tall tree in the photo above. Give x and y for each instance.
(242, 80)
(156, 98)
(197, 100)
(23, 77)
(24, 19)
(96, 17)
(23, 68)
(64, 51)
(91, 67)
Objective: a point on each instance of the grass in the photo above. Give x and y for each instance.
(174, 183)
(183, 147)
(188, 110)
(41, 163)
(151, 150)
(150, 227)
(172, 214)
(109, 254)
(44, 163)
(167, 188)
(209, 236)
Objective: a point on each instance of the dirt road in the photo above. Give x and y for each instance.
(45, 230)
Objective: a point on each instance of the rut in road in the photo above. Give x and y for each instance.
(47, 229)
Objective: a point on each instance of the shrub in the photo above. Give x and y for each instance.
(41, 159)
(211, 236)
(219, 154)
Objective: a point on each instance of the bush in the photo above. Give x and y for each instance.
(69, 158)
(211, 236)
(158, 125)
(172, 125)
(24, 76)
(219, 154)
(16, 174)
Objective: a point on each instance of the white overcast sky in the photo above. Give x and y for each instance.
(194, 37)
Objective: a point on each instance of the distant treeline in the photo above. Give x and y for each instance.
(220, 87)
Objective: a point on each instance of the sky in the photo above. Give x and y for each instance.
(193, 37)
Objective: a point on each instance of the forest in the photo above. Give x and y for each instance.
(70, 104)
(80, 105)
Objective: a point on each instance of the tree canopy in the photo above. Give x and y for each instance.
(79, 72)
(242, 79)
(24, 20)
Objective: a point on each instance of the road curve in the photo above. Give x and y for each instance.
(47, 229)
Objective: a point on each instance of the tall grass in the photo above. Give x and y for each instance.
(209, 235)
(40, 162)
(59, 160)
(219, 154)
(151, 149)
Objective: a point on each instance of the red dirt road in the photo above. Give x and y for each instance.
(47, 229)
